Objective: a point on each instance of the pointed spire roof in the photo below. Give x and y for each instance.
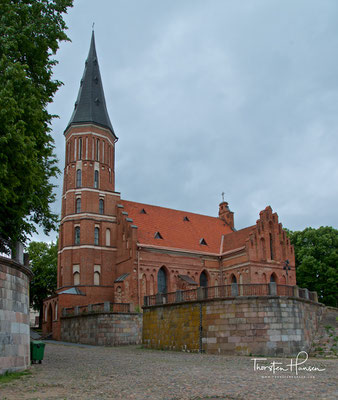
(90, 106)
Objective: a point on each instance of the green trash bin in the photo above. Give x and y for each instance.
(37, 351)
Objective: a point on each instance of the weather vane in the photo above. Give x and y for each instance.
(223, 196)
(93, 25)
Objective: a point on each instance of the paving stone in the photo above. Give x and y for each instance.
(132, 373)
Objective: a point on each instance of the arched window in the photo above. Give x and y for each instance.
(80, 148)
(96, 179)
(271, 246)
(108, 237)
(162, 281)
(233, 279)
(263, 248)
(78, 205)
(96, 236)
(96, 278)
(273, 278)
(77, 235)
(97, 150)
(76, 277)
(78, 178)
(101, 206)
(203, 279)
(103, 151)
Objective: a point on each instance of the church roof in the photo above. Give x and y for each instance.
(188, 279)
(90, 106)
(177, 229)
(237, 239)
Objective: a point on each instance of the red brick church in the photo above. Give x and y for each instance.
(116, 250)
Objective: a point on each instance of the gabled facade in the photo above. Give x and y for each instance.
(115, 250)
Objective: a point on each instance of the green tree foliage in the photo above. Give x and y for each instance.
(43, 261)
(316, 252)
(30, 33)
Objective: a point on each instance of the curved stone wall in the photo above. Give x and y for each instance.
(14, 316)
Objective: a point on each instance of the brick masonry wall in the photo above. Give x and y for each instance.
(14, 316)
(104, 329)
(260, 325)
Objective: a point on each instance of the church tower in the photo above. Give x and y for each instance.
(87, 237)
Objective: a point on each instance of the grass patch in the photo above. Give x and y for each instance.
(11, 376)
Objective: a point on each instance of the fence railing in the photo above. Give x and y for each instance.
(229, 291)
(96, 308)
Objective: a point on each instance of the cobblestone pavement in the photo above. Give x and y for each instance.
(73, 372)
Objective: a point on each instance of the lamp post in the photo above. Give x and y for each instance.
(287, 269)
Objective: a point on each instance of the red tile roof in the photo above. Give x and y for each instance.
(237, 239)
(176, 232)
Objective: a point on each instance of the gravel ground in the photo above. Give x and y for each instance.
(77, 372)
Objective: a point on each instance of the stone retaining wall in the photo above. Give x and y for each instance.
(14, 316)
(247, 325)
(105, 329)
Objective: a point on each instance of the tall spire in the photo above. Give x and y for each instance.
(90, 106)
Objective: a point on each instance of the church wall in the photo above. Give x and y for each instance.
(151, 261)
(91, 295)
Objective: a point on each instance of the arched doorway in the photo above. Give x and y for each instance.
(273, 278)
(233, 279)
(203, 279)
(162, 286)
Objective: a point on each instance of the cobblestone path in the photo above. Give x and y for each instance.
(73, 372)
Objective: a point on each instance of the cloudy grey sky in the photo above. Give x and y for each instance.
(211, 96)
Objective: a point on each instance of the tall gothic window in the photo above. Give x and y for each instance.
(78, 205)
(162, 281)
(78, 178)
(77, 235)
(203, 279)
(80, 148)
(96, 236)
(271, 246)
(96, 179)
(101, 206)
(97, 150)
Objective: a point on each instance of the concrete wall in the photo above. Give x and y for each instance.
(105, 329)
(14, 316)
(246, 325)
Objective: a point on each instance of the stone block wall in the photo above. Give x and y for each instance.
(14, 316)
(173, 328)
(247, 325)
(104, 329)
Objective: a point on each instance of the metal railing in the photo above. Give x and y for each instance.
(96, 308)
(229, 291)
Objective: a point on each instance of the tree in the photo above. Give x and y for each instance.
(43, 261)
(316, 253)
(30, 32)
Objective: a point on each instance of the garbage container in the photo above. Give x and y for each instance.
(37, 351)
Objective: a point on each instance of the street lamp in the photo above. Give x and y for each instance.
(287, 268)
